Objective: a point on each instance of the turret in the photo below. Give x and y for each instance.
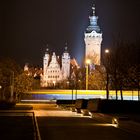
(46, 61)
(54, 62)
(66, 63)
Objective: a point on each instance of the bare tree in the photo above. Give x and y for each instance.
(123, 66)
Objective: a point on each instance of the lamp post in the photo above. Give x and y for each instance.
(87, 71)
(107, 76)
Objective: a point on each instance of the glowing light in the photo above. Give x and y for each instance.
(88, 61)
(107, 124)
(115, 122)
(85, 112)
(91, 114)
(107, 51)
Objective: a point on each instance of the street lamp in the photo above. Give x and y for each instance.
(107, 76)
(87, 71)
(54, 82)
(68, 84)
(106, 51)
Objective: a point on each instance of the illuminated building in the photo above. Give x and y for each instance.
(93, 39)
(55, 69)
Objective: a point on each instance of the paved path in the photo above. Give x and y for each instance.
(79, 128)
(16, 128)
(57, 124)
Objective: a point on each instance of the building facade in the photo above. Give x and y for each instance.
(93, 40)
(55, 69)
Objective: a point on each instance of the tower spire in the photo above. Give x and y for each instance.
(93, 25)
(66, 47)
(93, 8)
(66, 63)
(47, 48)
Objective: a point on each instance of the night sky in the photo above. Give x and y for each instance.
(27, 26)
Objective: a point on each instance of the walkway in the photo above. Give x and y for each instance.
(53, 123)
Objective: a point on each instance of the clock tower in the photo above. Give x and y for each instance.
(93, 40)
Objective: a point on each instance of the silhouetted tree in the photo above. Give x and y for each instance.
(123, 66)
(97, 78)
(13, 79)
(23, 83)
(9, 69)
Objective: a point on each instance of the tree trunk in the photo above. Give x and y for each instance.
(76, 91)
(116, 88)
(138, 91)
(121, 94)
(72, 95)
(107, 86)
(116, 93)
(138, 94)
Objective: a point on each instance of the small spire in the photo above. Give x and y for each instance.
(66, 47)
(53, 53)
(47, 48)
(93, 8)
(47, 51)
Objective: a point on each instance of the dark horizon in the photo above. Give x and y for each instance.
(26, 27)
